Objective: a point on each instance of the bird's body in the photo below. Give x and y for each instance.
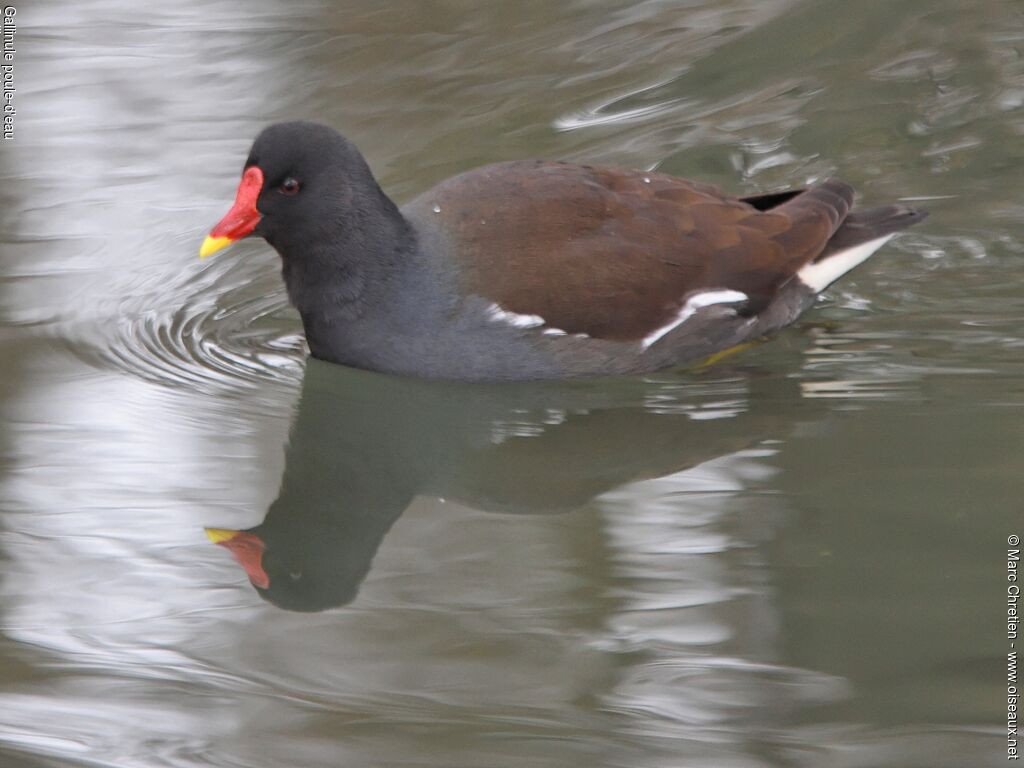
(538, 269)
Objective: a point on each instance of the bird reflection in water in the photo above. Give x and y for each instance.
(364, 445)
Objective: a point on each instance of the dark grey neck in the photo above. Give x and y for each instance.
(350, 262)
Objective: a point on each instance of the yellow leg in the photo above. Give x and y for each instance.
(707, 362)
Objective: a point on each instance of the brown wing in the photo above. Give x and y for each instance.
(613, 254)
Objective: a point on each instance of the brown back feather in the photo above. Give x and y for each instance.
(610, 254)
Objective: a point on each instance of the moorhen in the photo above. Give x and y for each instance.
(537, 269)
(363, 446)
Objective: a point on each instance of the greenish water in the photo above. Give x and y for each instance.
(794, 558)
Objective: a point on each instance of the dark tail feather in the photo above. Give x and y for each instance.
(871, 224)
(832, 197)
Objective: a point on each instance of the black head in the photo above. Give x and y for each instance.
(315, 182)
(308, 564)
(304, 188)
(313, 575)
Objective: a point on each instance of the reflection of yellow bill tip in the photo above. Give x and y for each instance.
(213, 244)
(217, 535)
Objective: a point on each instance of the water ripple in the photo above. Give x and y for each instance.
(620, 109)
(234, 336)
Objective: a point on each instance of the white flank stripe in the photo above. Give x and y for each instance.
(695, 302)
(820, 275)
(494, 312)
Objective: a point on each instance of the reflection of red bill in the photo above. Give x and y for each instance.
(243, 217)
(248, 549)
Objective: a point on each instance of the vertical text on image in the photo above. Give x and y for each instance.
(9, 29)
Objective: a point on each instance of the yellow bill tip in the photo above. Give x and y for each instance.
(213, 244)
(218, 535)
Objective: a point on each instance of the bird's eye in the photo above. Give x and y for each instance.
(289, 187)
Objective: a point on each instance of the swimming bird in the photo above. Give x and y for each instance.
(537, 269)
